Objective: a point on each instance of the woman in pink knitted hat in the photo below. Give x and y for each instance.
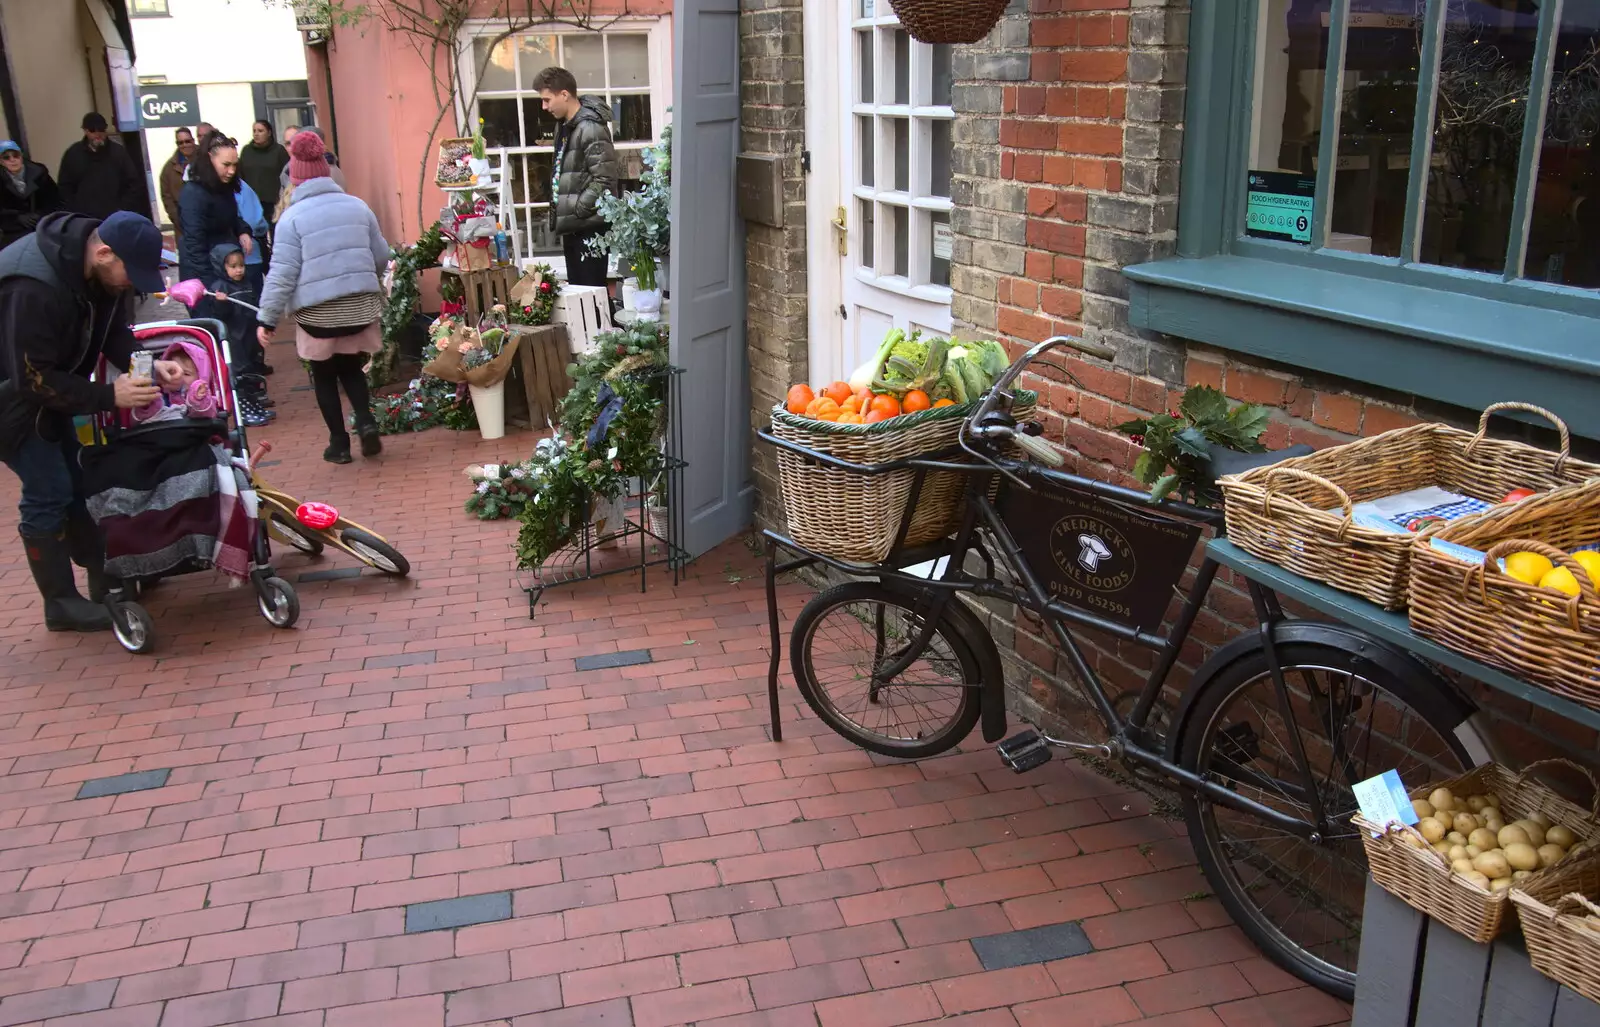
(327, 265)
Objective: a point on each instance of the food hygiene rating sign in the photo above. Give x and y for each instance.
(1279, 206)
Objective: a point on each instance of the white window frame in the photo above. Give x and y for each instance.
(658, 31)
(919, 114)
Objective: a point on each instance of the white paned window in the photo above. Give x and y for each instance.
(627, 65)
(901, 106)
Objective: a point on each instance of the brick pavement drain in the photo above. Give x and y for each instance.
(607, 661)
(443, 914)
(140, 781)
(331, 574)
(1036, 945)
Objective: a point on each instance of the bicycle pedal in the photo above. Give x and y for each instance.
(1024, 751)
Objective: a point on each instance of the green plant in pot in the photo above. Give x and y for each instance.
(1177, 444)
(639, 228)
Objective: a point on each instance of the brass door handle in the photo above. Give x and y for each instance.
(843, 229)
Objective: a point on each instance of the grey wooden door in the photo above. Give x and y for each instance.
(707, 274)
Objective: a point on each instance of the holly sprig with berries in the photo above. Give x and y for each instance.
(1177, 444)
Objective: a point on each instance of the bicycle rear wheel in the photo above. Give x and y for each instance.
(1301, 900)
(846, 634)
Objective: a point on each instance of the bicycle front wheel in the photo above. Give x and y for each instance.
(1352, 717)
(844, 638)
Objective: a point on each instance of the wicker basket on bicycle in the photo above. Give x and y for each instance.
(855, 517)
(1298, 513)
(1560, 914)
(1404, 864)
(1476, 608)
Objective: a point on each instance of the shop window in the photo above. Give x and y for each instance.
(1409, 195)
(615, 65)
(1496, 175)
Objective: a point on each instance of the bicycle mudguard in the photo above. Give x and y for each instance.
(1392, 658)
(992, 702)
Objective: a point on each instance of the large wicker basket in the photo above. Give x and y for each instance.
(1422, 879)
(1555, 909)
(1280, 513)
(855, 517)
(1477, 609)
(948, 21)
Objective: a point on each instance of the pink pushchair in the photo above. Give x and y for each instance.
(138, 476)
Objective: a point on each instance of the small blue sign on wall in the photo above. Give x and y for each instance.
(1280, 206)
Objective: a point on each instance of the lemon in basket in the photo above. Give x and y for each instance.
(1529, 568)
(1561, 580)
(1589, 560)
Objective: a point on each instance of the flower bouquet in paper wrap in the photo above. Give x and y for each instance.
(472, 358)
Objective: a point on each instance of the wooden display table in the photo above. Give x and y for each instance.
(1416, 972)
(542, 359)
(481, 290)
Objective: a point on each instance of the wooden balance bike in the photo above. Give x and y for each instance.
(311, 527)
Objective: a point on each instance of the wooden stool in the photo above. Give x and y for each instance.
(481, 290)
(542, 359)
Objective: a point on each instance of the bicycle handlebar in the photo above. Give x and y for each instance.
(1001, 392)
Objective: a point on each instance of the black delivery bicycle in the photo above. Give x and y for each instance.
(1264, 741)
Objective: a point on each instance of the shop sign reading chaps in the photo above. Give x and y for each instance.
(169, 106)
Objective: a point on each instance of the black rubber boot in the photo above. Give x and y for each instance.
(87, 549)
(338, 451)
(64, 608)
(371, 438)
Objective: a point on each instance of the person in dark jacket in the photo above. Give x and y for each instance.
(98, 177)
(261, 161)
(27, 193)
(208, 209)
(585, 168)
(64, 294)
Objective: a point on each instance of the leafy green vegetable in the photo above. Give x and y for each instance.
(1177, 445)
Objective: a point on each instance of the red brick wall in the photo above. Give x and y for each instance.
(1071, 145)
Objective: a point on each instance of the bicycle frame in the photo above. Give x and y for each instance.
(1129, 737)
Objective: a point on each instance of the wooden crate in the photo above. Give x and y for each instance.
(1415, 972)
(541, 369)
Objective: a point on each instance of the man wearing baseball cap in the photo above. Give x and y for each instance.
(64, 303)
(97, 175)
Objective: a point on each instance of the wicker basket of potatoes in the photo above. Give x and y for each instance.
(1477, 836)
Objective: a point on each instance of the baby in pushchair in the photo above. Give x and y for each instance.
(192, 396)
(170, 486)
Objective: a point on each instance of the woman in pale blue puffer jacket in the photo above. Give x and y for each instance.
(328, 261)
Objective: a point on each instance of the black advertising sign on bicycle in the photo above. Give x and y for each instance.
(1113, 561)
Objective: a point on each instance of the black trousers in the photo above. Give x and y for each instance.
(582, 268)
(326, 377)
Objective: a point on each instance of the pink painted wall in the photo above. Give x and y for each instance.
(384, 105)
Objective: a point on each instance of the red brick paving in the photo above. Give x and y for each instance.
(668, 864)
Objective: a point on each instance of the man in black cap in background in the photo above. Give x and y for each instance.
(64, 293)
(98, 177)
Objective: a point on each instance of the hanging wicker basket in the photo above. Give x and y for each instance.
(948, 21)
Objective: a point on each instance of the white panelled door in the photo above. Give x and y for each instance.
(879, 193)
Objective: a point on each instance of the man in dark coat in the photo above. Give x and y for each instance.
(64, 294)
(172, 175)
(27, 193)
(585, 168)
(98, 177)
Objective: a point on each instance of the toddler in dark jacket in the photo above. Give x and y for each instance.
(227, 260)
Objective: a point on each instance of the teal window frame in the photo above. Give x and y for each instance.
(1457, 336)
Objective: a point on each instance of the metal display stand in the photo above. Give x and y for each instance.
(583, 559)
